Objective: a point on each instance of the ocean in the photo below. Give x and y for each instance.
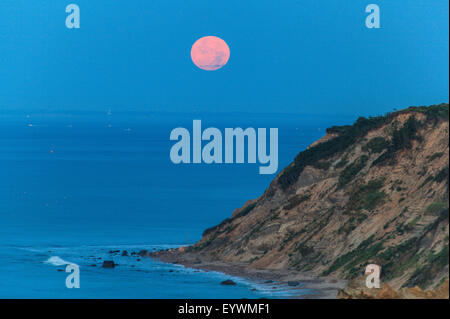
(74, 186)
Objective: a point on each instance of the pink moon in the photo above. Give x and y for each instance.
(210, 53)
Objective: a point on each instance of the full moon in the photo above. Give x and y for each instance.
(210, 53)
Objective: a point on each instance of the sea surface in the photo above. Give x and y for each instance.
(74, 186)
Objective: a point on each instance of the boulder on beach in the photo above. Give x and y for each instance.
(108, 264)
(228, 282)
(124, 253)
(143, 252)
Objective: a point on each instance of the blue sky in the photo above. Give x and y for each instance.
(306, 57)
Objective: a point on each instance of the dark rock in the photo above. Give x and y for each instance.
(108, 264)
(143, 252)
(293, 283)
(59, 269)
(138, 259)
(171, 270)
(124, 253)
(114, 251)
(93, 265)
(268, 281)
(228, 282)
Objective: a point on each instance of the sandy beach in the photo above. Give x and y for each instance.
(322, 287)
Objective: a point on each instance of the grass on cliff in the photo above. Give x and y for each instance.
(350, 134)
(296, 200)
(434, 156)
(396, 259)
(376, 145)
(435, 208)
(435, 263)
(352, 170)
(362, 254)
(226, 221)
(367, 196)
(442, 175)
(401, 139)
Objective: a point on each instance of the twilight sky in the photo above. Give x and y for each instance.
(303, 56)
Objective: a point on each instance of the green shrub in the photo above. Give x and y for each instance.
(426, 181)
(304, 250)
(435, 208)
(296, 200)
(322, 165)
(433, 113)
(435, 264)
(401, 139)
(341, 163)
(352, 223)
(245, 211)
(367, 196)
(226, 221)
(363, 253)
(352, 170)
(442, 175)
(376, 145)
(410, 226)
(217, 227)
(435, 155)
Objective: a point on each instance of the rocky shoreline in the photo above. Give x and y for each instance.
(307, 285)
(322, 287)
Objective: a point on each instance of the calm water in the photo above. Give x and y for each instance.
(76, 186)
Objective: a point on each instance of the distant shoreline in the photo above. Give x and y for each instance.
(323, 287)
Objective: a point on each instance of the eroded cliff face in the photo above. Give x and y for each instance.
(373, 192)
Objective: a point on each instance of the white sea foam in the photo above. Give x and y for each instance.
(56, 261)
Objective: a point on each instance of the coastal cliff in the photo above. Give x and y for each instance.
(372, 192)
